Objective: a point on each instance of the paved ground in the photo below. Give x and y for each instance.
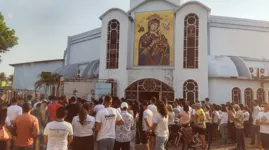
(214, 146)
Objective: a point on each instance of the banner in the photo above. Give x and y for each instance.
(154, 39)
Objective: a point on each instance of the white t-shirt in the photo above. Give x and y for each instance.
(264, 116)
(184, 117)
(246, 116)
(85, 129)
(152, 108)
(256, 110)
(7, 122)
(223, 117)
(98, 107)
(162, 125)
(107, 117)
(13, 112)
(207, 117)
(57, 132)
(147, 114)
(171, 117)
(216, 116)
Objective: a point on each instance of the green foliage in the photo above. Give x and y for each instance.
(7, 36)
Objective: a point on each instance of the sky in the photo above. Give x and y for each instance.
(44, 25)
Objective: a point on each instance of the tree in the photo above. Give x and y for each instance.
(10, 78)
(47, 81)
(2, 78)
(7, 37)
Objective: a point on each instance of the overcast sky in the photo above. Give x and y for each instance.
(43, 25)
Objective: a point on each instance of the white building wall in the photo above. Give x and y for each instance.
(220, 89)
(181, 74)
(120, 74)
(25, 75)
(239, 42)
(85, 51)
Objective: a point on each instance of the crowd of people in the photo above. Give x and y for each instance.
(117, 124)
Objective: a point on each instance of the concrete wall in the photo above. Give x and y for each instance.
(239, 42)
(200, 75)
(85, 51)
(220, 89)
(120, 74)
(84, 47)
(25, 75)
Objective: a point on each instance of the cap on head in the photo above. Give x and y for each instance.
(124, 105)
(236, 106)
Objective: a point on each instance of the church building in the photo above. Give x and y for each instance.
(174, 49)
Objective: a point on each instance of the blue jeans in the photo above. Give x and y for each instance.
(224, 133)
(106, 144)
(161, 142)
(24, 148)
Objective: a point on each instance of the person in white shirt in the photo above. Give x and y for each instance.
(152, 105)
(215, 120)
(99, 106)
(58, 134)
(255, 128)
(171, 114)
(223, 120)
(83, 125)
(184, 116)
(13, 111)
(160, 125)
(106, 120)
(263, 120)
(246, 119)
(146, 124)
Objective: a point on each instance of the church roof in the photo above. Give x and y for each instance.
(193, 2)
(224, 66)
(131, 10)
(116, 9)
(90, 71)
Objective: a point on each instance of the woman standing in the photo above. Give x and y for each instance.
(160, 125)
(171, 114)
(132, 109)
(83, 133)
(209, 127)
(223, 125)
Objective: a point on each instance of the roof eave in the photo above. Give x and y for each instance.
(117, 9)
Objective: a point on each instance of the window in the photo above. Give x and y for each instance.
(113, 34)
(236, 95)
(260, 95)
(190, 91)
(191, 35)
(248, 97)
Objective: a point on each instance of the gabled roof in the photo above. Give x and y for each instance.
(131, 10)
(193, 2)
(116, 9)
(35, 62)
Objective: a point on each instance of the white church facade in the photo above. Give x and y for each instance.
(174, 49)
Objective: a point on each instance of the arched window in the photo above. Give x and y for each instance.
(236, 95)
(260, 95)
(113, 35)
(248, 97)
(191, 41)
(190, 91)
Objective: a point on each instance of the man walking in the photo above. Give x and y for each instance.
(58, 134)
(255, 128)
(124, 132)
(238, 120)
(106, 120)
(27, 128)
(263, 120)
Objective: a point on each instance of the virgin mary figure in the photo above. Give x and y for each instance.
(153, 46)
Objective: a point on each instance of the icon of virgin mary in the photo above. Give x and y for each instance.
(153, 46)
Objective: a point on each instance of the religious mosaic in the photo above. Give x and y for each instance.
(154, 38)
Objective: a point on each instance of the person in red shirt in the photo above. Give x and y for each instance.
(52, 108)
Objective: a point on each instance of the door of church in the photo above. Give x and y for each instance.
(144, 89)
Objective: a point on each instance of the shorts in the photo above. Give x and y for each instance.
(264, 140)
(144, 137)
(201, 131)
